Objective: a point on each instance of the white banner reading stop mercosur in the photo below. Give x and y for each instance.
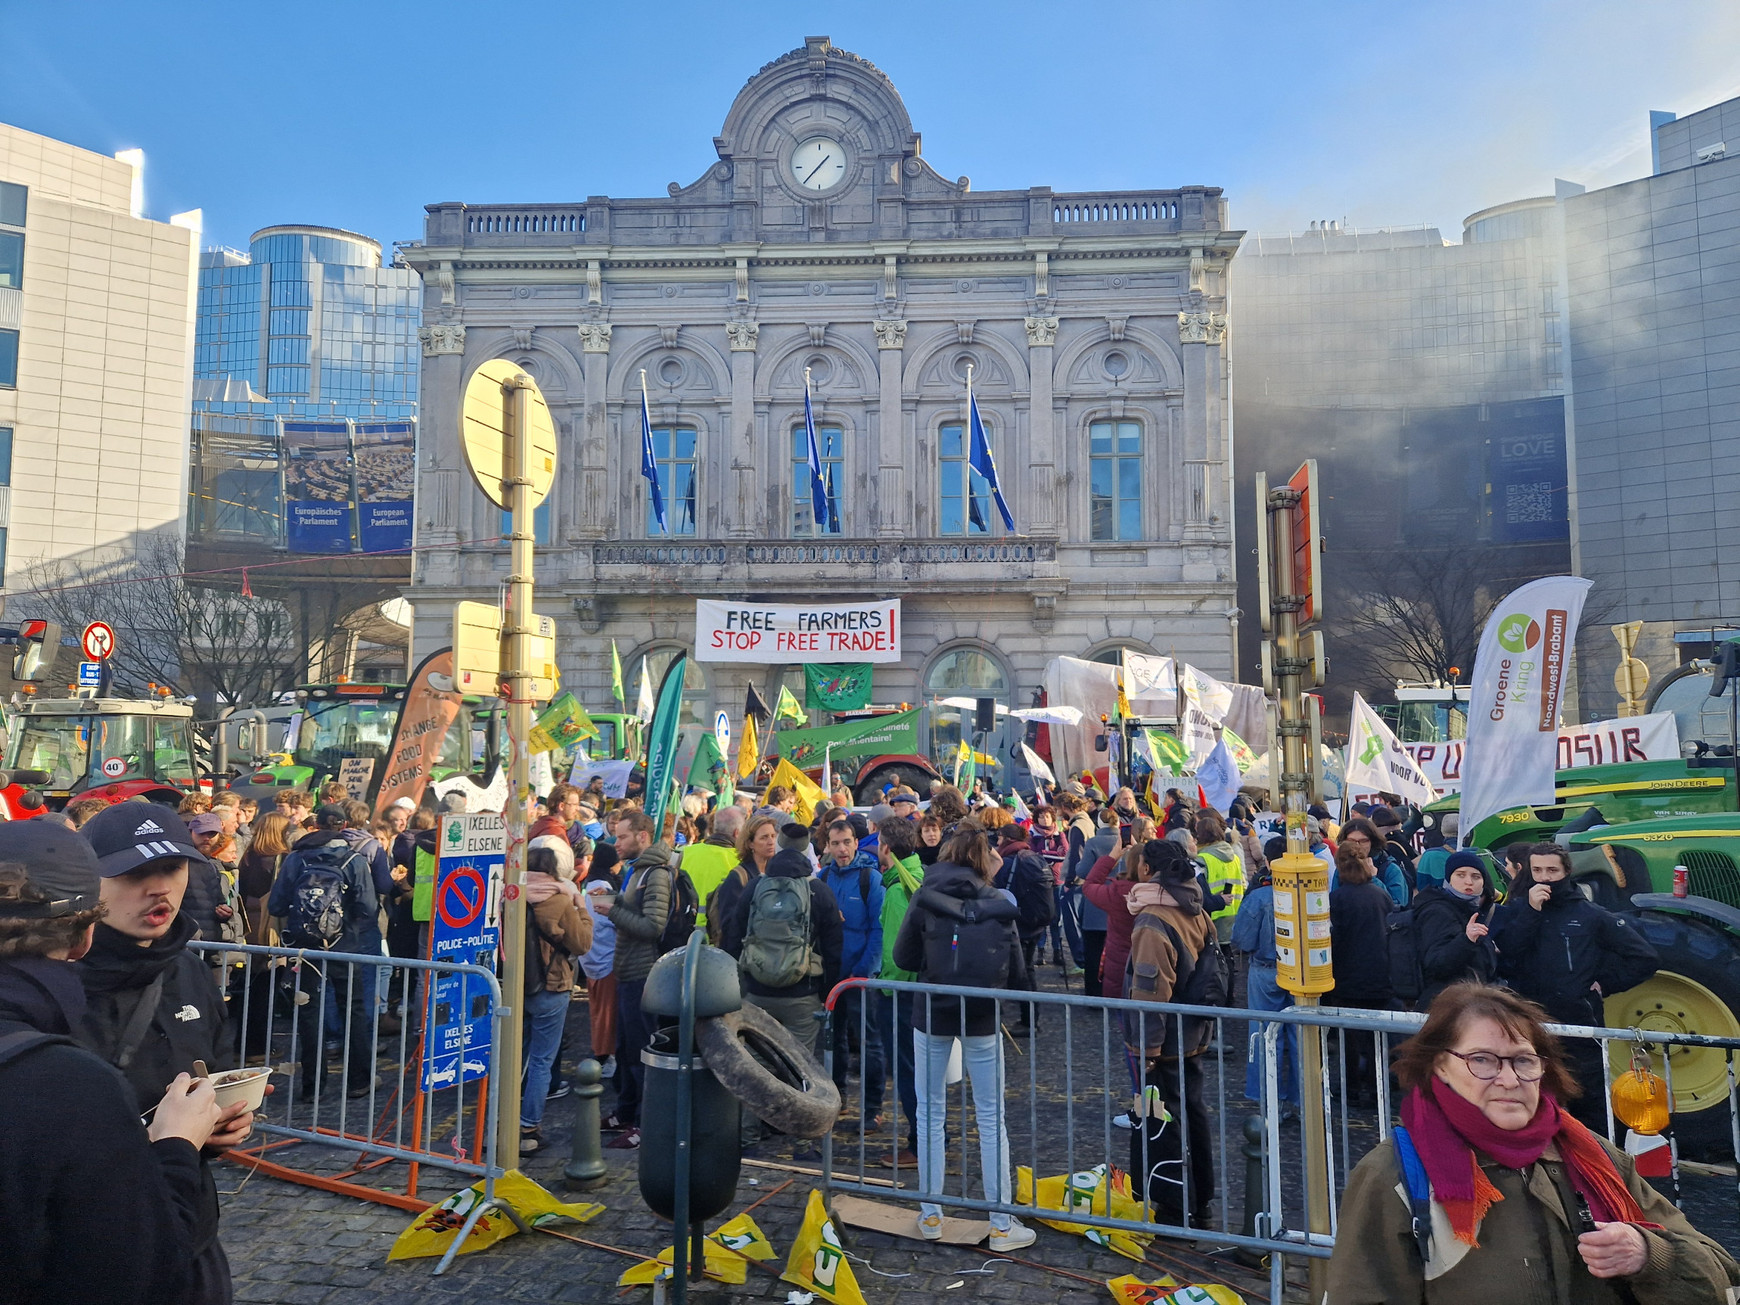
(1512, 748)
(772, 633)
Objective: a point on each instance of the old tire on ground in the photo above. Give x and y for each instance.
(762, 1065)
(1697, 990)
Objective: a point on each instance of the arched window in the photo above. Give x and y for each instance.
(831, 445)
(658, 661)
(966, 495)
(963, 673)
(676, 450)
(1115, 480)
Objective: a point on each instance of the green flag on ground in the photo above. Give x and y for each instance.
(837, 686)
(661, 748)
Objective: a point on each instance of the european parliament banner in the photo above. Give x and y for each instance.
(1512, 749)
(386, 471)
(894, 732)
(318, 496)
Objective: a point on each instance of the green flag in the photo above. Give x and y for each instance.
(896, 732)
(616, 676)
(708, 768)
(561, 725)
(837, 686)
(787, 709)
(661, 748)
(1168, 751)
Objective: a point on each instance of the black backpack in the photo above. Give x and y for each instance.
(317, 907)
(685, 909)
(1035, 895)
(1407, 978)
(966, 943)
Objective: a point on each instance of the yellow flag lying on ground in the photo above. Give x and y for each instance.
(433, 1231)
(1089, 1192)
(745, 1237)
(1133, 1291)
(818, 1261)
(729, 1248)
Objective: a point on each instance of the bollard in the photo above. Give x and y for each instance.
(586, 1169)
(1256, 1190)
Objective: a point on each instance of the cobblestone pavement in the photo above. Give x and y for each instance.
(288, 1243)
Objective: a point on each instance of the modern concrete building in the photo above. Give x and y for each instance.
(1654, 277)
(96, 356)
(1426, 377)
(823, 241)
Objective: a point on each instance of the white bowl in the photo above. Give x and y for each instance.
(233, 1085)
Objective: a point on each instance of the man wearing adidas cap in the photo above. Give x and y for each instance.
(153, 1007)
(94, 1206)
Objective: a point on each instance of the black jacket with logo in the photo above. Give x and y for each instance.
(186, 1025)
(1554, 955)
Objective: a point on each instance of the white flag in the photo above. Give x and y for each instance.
(643, 707)
(1218, 777)
(1206, 701)
(1148, 677)
(1036, 764)
(828, 771)
(1513, 702)
(1209, 693)
(1377, 761)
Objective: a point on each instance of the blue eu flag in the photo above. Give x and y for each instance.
(818, 486)
(980, 460)
(649, 466)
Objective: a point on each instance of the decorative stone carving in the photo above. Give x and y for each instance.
(594, 282)
(743, 336)
(964, 331)
(890, 334)
(442, 279)
(743, 280)
(1041, 331)
(669, 335)
(595, 337)
(1116, 326)
(1201, 328)
(890, 265)
(1042, 275)
(587, 611)
(443, 337)
(523, 339)
(1044, 612)
(818, 334)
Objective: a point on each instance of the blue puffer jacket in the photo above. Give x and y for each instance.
(861, 953)
(1390, 876)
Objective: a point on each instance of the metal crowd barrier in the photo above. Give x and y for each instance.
(1059, 1115)
(286, 1007)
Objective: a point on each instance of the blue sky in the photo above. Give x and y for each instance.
(357, 114)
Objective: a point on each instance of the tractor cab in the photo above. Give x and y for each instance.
(65, 748)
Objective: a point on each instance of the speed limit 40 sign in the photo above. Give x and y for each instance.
(98, 641)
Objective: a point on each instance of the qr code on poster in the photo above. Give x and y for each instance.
(1528, 502)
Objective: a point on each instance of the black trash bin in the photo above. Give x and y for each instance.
(715, 1147)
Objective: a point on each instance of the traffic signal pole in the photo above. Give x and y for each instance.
(517, 628)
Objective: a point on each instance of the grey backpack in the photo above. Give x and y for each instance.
(776, 943)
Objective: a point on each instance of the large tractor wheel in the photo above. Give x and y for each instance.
(897, 774)
(1697, 990)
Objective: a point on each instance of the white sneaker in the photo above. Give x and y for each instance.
(1012, 1238)
(930, 1227)
(1122, 1121)
(608, 1068)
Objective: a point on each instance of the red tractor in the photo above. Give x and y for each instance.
(59, 749)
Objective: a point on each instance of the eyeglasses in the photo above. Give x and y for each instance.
(1486, 1066)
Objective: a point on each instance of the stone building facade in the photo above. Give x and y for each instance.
(1094, 324)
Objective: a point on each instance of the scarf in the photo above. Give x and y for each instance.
(541, 888)
(1447, 1130)
(1141, 896)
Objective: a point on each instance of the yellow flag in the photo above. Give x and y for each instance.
(1131, 1290)
(818, 1261)
(433, 1231)
(749, 750)
(808, 791)
(1124, 711)
(744, 1236)
(1090, 1191)
(720, 1264)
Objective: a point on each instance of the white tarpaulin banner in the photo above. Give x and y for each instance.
(1655, 737)
(1513, 701)
(1376, 760)
(773, 634)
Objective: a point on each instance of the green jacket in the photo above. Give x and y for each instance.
(899, 883)
(1527, 1251)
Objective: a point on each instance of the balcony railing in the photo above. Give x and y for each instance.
(811, 553)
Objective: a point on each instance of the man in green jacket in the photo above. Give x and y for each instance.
(902, 873)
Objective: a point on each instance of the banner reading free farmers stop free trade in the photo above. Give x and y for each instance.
(773, 633)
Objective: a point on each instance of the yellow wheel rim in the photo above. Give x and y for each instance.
(1672, 1003)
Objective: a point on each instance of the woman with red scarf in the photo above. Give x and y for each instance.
(1490, 1192)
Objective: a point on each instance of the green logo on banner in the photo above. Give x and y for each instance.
(1518, 633)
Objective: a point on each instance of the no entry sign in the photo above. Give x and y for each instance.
(464, 927)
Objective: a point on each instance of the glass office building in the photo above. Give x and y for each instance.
(303, 339)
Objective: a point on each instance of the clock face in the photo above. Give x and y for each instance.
(818, 164)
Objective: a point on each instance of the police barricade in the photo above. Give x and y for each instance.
(1084, 1116)
(376, 1062)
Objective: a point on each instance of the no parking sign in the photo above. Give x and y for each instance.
(464, 927)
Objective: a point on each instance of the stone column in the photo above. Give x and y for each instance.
(444, 489)
(591, 487)
(1200, 336)
(1041, 508)
(742, 506)
(894, 511)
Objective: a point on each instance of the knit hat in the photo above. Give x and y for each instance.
(794, 837)
(1466, 858)
(881, 812)
(559, 849)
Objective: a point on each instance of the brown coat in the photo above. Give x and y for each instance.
(562, 932)
(1151, 974)
(1528, 1249)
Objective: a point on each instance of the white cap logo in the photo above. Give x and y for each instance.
(149, 827)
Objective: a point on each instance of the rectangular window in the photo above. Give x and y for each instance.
(1115, 479)
(2, 555)
(5, 455)
(13, 198)
(966, 497)
(540, 522)
(11, 259)
(831, 443)
(674, 450)
(8, 360)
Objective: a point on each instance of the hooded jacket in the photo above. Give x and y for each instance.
(900, 884)
(857, 887)
(90, 1208)
(186, 1025)
(362, 930)
(1554, 955)
(1441, 940)
(951, 893)
(827, 931)
(562, 925)
(1151, 973)
(642, 910)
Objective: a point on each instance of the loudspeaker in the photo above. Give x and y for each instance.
(985, 715)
